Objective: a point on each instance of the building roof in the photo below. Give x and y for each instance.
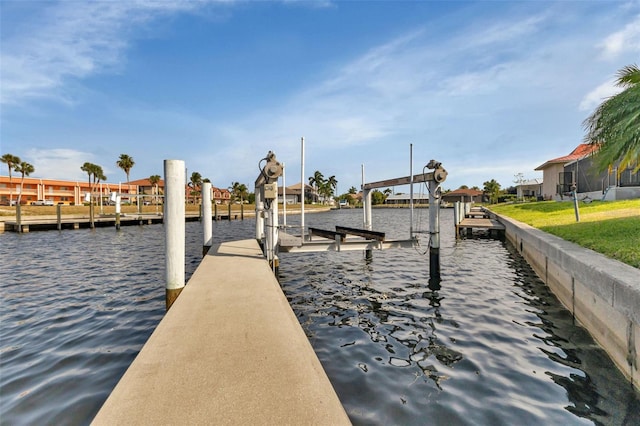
(394, 197)
(146, 182)
(530, 182)
(466, 192)
(295, 189)
(578, 153)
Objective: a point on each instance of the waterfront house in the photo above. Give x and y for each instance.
(405, 199)
(294, 194)
(531, 188)
(579, 169)
(464, 195)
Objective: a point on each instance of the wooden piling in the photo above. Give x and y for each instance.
(59, 217)
(19, 216)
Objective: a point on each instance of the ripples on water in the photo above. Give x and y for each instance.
(77, 306)
(489, 346)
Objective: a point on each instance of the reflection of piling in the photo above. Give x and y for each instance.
(174, 175)
(59, 217)
(207, 225)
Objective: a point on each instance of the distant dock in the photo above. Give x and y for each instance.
(51, 222)
(469, 219)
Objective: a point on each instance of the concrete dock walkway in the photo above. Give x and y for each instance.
(229, 351)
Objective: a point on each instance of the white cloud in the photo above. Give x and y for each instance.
(594, 98)
(72, 40)
(59, 163)
(625, 40)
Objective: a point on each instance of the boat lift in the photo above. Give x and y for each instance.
(342, 238)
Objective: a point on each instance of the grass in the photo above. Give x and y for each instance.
(611, 227)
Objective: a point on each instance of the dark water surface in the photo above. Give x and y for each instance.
(488, 345)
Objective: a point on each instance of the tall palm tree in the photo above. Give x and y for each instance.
(317, 180)
(11, 161)
(154, 180)
(615, 124)
(195, 184)
(25, 169)
(332, 184)
(239, 191)
(126, 163)
(93, 171)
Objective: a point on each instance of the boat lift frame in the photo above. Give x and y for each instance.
(273, 241)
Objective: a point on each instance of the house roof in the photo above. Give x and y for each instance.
(578, 153)
(529, 182)
(393, 197)
(465, 192)
(146, 182)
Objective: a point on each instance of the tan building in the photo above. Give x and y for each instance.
(56, 191)
(553, 179)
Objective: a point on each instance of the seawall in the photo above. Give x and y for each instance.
(602, 294)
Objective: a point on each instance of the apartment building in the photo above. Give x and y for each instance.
(57, 191)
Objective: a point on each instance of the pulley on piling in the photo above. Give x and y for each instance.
(271, 171)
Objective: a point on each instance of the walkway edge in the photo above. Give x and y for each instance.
(229, 351)
(603, 294)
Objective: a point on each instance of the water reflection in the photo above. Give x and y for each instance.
(489, 344)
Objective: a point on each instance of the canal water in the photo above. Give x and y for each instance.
(486, 345)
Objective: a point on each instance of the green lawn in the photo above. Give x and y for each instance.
(611, 227)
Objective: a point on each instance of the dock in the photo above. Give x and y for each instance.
(477, 218)
(229, 351)
(51, 222)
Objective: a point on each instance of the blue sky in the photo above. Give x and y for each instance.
(490, 89)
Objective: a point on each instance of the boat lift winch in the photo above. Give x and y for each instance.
(342, 238)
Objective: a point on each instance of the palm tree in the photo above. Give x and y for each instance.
(332, 182)
(239, 191)
(126, 163)
(93, 171)
(615, 124)
(195, 183)
(493, 189)
(154, 180)
(25, 169)
(317, 180)
(11, 161)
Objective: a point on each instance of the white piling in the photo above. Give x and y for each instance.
(174, 224)
(302, 187)
(118, 208)
(434, 231)
(284, 197)
(207, 222)
(411, 190)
